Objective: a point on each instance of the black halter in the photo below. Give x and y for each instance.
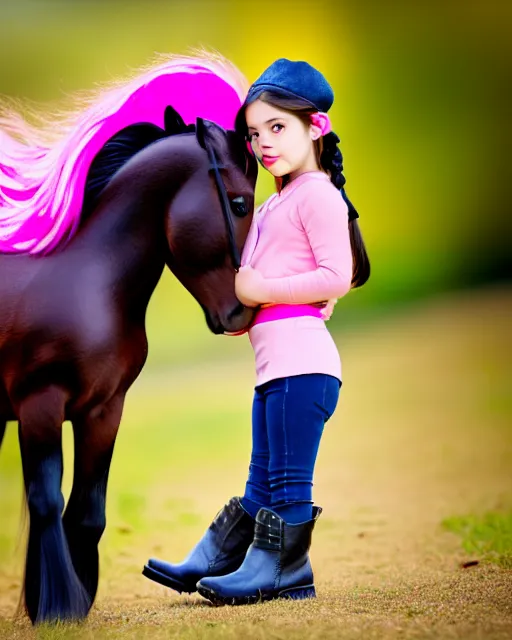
(215, 167)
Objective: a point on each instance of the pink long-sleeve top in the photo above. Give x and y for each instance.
(299, 241)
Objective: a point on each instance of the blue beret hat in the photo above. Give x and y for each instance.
(297, 79)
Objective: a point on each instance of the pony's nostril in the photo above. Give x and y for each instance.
(239, 309)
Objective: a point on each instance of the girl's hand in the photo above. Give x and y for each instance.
(329, 308)
(250, 287)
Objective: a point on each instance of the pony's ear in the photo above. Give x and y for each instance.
(207, 129)
(201, 132)
(173, 122)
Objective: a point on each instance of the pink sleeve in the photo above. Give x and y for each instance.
(324, 217)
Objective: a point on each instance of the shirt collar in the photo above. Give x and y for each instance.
(296, 182)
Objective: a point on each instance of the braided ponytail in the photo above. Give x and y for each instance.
(331, 160)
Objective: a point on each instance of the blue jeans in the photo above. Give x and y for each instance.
(288, 418)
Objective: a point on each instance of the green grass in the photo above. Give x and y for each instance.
(486, 537)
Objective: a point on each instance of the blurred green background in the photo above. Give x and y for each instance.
(420, 107)
(422, 110)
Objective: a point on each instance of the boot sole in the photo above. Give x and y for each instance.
(294, 593)
(166, 581)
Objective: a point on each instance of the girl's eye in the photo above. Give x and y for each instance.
(250, 137)
(277, 125)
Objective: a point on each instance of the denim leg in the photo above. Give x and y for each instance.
(257, 488)
(297, 408)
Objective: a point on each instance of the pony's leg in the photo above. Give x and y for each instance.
(84, 519)
(52, 589)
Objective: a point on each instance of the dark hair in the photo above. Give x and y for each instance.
(329, 158)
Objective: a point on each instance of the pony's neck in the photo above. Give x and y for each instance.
(128, 225)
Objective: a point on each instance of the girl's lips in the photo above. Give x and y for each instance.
(269, 160)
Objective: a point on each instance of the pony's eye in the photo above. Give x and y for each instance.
(238, 207)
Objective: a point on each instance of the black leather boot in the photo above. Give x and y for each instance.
(276, 565)
(221, 550)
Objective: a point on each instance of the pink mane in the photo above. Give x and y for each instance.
(42, 183)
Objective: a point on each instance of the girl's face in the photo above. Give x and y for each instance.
(282, 143)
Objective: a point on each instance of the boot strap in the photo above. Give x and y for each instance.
(268, 532)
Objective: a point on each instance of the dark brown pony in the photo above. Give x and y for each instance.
(72, 329)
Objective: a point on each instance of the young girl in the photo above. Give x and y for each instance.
(304, 249)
